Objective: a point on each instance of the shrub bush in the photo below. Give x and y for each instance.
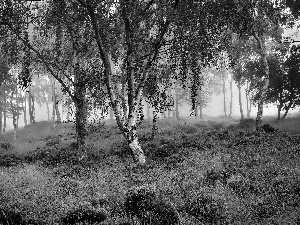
(143, 203)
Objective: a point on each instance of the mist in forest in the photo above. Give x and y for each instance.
(215, 108)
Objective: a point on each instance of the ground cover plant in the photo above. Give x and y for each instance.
(198, 172)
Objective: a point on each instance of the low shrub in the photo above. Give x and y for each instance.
(143, 203)
(84, 215)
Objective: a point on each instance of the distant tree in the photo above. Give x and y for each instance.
(4, 75)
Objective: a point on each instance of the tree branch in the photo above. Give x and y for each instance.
(41, 57)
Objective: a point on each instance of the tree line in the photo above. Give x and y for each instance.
(115, 54)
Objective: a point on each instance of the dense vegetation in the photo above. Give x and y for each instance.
(201, 172)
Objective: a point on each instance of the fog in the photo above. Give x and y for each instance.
(215, 108)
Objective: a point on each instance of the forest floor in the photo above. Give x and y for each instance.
(246, 177)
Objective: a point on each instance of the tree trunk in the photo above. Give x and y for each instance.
(148, 110)
(196, 112)
(24, 109)
(48, 110)
(265, 80)
(287, 109)
(33, 108)
(240, 101)
(15, 126)
(248, 99)
(29, 105)
(80, 104)
(1, 115)
(278, 112)
(14, 114)
(5, 114)
(176, 112)
(58, 120)
(132, 138)
(68, 109)
(154, 126)
(111, 114)
(53, 102)
(231, 96)
(224, 94)
(201, 111)
(279, 106)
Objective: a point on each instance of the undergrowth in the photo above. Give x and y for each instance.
(210, 173)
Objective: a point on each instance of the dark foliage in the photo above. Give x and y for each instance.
(212, 176)
(84, 215)
(8, 160)
(144, 204)
(51, 156)
(8, 217)
(6, 146)
(267, 128)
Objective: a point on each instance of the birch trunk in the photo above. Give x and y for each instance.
(201, 111)
(33, 108)
(4, 114)
(1, 115)
(224, 96)
(25, 110)
(53, 102)
(29, 105)
(148, 110)
(240, 101)
(48, 110)
(247, 99)
(154, 125)
(80, 105)
(231, 95)
(133, 142)
(265, 80)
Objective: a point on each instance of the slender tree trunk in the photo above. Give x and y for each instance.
(201, 111)
(111, 114)
(25, 110)
(14, 115)
(5, 114)
(279, 106)
(176, 112)
(68, 109)
(240, 101)
(231, 95)
(33, 108)
(154, 126)
(56, 107)
(224, 95)
(1, 115)
(265, 80)
(247, 99)
(148, 110)
(196, 111)
(15, 126)
(169, 113)
(18, 117)
(29, 105)
(53, 102)
(48, 110)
